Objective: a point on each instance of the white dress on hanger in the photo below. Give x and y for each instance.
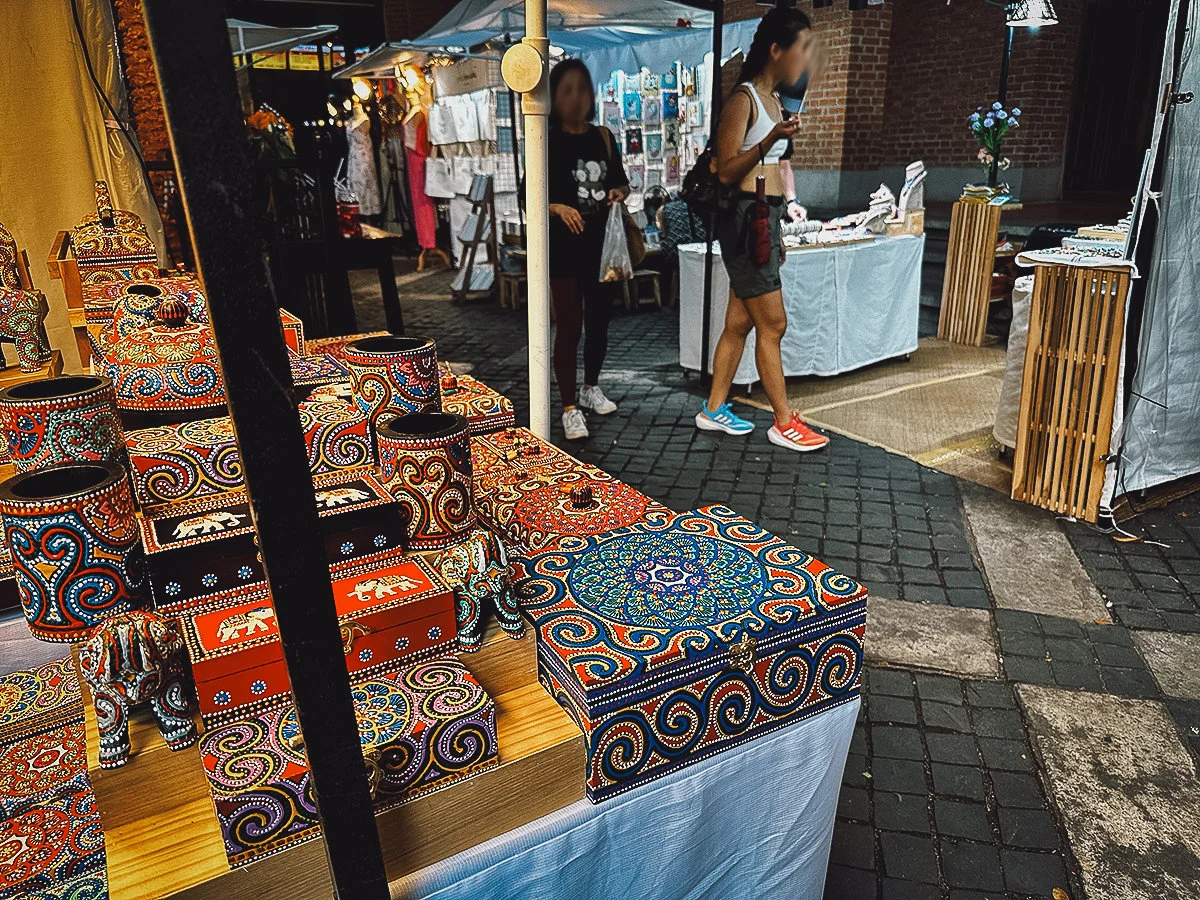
(360, 165)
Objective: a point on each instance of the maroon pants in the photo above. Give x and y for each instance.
(580, 307)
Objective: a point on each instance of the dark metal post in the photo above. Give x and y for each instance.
(714, 115)
(195, 71)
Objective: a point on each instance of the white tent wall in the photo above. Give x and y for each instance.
(1162, 425)
(658, 52)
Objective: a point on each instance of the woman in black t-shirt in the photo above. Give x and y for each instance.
(586, 177)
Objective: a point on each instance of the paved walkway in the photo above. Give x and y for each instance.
(1031, 712)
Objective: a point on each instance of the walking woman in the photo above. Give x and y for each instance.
(586, 177)
(751, 140)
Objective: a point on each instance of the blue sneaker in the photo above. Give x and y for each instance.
(724, 419)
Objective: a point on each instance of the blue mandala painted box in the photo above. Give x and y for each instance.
(669, 641)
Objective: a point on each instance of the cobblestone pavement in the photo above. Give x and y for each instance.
(945, 795)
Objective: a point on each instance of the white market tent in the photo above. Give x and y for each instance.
(247, 38)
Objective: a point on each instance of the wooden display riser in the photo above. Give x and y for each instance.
(11, 374)
(161, 833)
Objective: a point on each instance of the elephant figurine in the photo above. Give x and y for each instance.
(131, 658)
(476, 569)
(23, 309)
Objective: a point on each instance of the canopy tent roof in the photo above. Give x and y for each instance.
(577, 26)
(382, 61)
(249, 37)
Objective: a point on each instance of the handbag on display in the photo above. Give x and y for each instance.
(439, 180)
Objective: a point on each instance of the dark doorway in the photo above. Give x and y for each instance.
(1116, 95)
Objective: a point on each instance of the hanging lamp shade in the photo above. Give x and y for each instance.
(1029, 13)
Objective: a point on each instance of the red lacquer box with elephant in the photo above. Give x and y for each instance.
(390, 606)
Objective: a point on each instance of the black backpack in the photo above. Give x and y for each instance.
(702, 190)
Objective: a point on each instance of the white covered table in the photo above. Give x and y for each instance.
(754, 821)
(847, 306)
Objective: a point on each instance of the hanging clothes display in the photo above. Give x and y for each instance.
(360, 164)
(393, 177)
(417, 149)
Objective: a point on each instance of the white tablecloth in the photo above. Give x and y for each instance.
(1009, 409)
(847, 306)
(754, 821)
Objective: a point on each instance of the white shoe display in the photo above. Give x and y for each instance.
(593, 398)
(575, 425)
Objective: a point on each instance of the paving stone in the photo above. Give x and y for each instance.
(1000, 723)
(1126, 788)
(947, 716)
(1028, 828)
(959, 749)
(854, 803)
(894, 889)
(899, 775)
(957, 818)
(1028, 560)
(892, 682)
(896, 743)
(894, 710)
(844, 882)
(941, 689)
(909, 857)
(1006, 755)
(958, 641)
(1175, 661)
(901, 812)
(1017, 790)
(990, 694)
(963, 782)
(971, 865)
(1033, 873)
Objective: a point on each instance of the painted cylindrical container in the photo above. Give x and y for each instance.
(58, 420)
(77, 552)
(426, 463)
(393, 376)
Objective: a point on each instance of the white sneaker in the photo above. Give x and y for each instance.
(575, 425)
(593, 398)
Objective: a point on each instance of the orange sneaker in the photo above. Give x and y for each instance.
(795, 435)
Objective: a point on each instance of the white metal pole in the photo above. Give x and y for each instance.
(535, 105)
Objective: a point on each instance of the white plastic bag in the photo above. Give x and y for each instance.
(615, 264)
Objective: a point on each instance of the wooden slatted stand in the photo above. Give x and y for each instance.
(1069, 392)
(165, 841)
(970, 260)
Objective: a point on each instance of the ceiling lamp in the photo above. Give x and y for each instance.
(1029, 13)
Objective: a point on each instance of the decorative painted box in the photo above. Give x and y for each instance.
(311, 371)
(423, 726)
(199, 549)
(336, 346)
(113, 244)
(484, 409)
(512, 448)
(123, 306)
(167, 367)
(670, 641)
(200, 458)
(531, 509)
(390, 607)
(293, 331)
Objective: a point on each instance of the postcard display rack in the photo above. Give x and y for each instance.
(661, 121)
(447, 532)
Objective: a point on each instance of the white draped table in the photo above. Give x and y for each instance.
(848, 306)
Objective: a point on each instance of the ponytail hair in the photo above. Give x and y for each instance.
(781, 27)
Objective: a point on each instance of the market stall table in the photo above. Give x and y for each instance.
(755, 821)
(848, 306)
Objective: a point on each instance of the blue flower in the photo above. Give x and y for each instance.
(1016, 112)
(989, 122)
(997, 105)
(209, 580)
(365, 655)
(974, 117)
(245, 572)
(347, 548)
(173, 589)
(402, 643)
(435, 633)
(258, 687)
(1002, 115)
(221, 698)
(380, 540)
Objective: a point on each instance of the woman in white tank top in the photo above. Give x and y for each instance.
(751, 139)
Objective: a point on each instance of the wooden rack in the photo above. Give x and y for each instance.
(1069, 391)
(165, 842)
(970, 261)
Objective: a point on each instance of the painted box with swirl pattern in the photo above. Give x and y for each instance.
(423, 726)
(485, 409)
(672, 640)
(390, 607)
(200, 458)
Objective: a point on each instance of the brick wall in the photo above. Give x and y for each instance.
(945, 61)
(411, 18)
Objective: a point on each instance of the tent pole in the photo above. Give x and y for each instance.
(714, 115)
(535, 105)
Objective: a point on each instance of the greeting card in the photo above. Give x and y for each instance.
(654, 146)
(672, 175)
(652, 113)
(649, 82)
(633, 141)
(671, 134)
(669, 80)
(653, 178)
(637, 177)
(611, 117)
(670, 105)
(633, 106)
